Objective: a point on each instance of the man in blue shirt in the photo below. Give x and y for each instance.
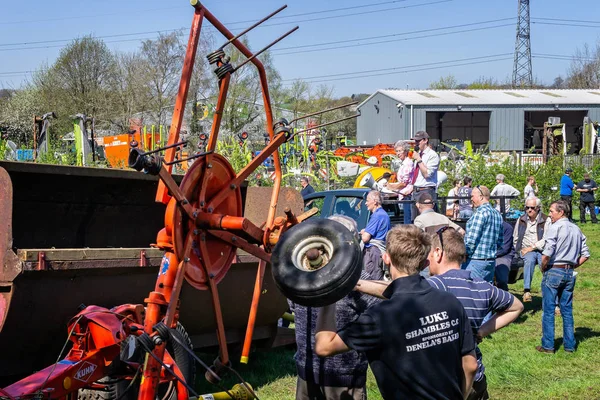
(484, 236)
(373, 236)
(566, 191)
(565, 250)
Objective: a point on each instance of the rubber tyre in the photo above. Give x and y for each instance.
(184, 361)
(323, 286)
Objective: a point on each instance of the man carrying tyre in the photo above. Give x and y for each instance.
(373, 236)
(343, 376)
(428, 352)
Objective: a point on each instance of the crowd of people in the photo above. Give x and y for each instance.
(446, 287)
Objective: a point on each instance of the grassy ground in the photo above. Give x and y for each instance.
(515, 370)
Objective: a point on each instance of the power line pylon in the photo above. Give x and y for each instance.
(522, 74)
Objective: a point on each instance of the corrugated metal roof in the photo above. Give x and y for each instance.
(492, 97)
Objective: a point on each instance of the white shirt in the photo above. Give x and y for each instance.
(503, 189)
(529, 191)
(450, 202)
(432, 161)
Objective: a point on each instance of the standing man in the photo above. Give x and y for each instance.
(528, 239)
(565, 250)
(477, 296)
(306, 187)
(339, 377)
(373, 236)
(404, 177)
(586, 188)
(465, 209)
(503, 189)
(484, 236)
(566, 191)
(427, 353)
(427, 163)
(531, 189)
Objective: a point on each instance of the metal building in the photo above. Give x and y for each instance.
(505, 119)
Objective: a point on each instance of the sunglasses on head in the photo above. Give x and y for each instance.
(479, 188)
(440, 233)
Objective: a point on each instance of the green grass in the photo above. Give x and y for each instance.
(515, 370)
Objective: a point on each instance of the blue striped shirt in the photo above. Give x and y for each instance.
(477, 296)
(565, 243)
(484, 233)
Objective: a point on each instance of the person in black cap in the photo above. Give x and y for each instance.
(427, 162)
(566, 191)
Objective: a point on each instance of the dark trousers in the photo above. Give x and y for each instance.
(479, 390)
(415, 196)
(592, 206)
(311, 391)
(372, 262)
(569, 200)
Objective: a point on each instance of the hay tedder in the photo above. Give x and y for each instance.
(143, 350)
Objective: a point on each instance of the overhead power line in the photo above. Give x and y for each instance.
(565, 24)
(407, 68)
(358, 13)
(395, 40)
(183, 28)
(137, 11)
(95, 37)
(394, 68)
(567, 20)
(396, 34)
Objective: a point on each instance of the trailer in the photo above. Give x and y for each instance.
(73, 236)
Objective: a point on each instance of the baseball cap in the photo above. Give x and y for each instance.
(425, 198)
(421, 135)
(568, 170)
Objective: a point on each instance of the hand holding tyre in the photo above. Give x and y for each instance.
(316, 263)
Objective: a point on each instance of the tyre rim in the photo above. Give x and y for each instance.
(299, 255)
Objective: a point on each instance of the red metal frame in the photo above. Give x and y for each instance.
(97, 333)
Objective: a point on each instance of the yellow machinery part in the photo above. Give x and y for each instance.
(376, 172)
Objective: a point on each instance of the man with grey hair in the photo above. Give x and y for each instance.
(565, 249)
(484, 236)
(528, 239)
(503, 189)
(373, 236)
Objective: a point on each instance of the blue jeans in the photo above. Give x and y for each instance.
(530, 260)
(465, 214)
(483, 269)
(502, 271)
(407, 214)
(558, 284)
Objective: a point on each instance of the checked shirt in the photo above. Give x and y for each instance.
(484, 233)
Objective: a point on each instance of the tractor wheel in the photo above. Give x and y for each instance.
(167, 391)
(316, 263)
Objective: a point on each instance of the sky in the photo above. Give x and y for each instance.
(356, 46)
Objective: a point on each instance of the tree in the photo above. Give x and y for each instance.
(584, 72)
(445, 82)
(485, 83)
(559, 83)
(297, 97)
(162, 61)
(16, 115)
(130, 91)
